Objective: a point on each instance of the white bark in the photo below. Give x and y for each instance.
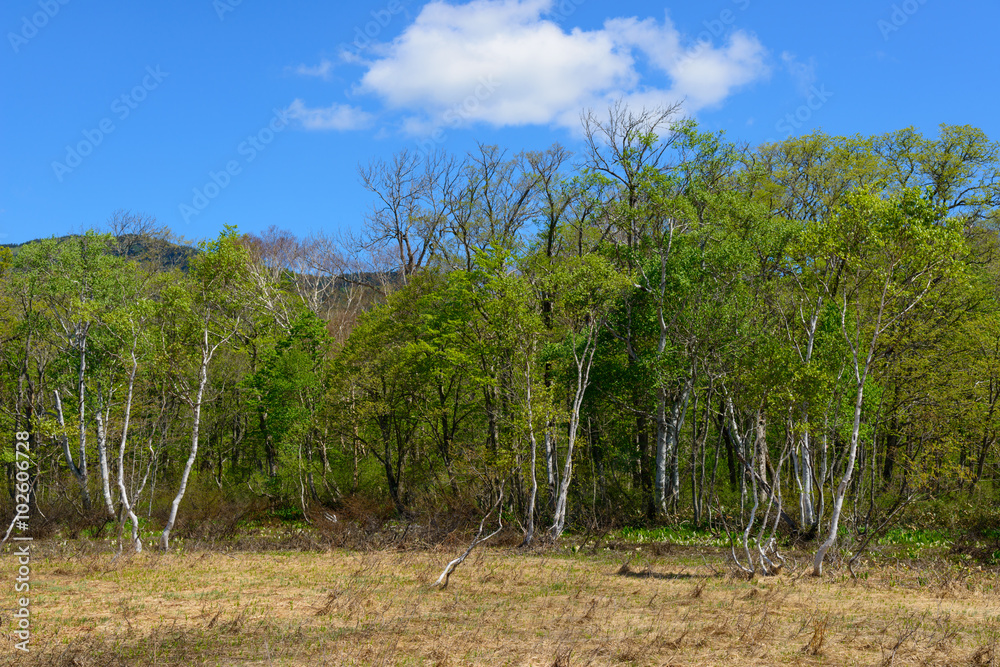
(551, 466)
(195, 403)
(662, 445)
(804, 462)
(102, 456)
(668, 428)
(122, 491)
(583, 360)
(841, 492)
(442, 581)
(803, 478)
(529, 533)
(860, 376)
(80, 473)
(81, 391)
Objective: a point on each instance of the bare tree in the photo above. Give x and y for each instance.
(494, 200)
(275, 255)
(406, 215)
(628, 151)
(134, 233)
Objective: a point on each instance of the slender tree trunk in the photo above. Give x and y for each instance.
(803, 467)
(529, 533)
(677, 423)
(81, 391)
(761, 452)
(841, 492)
(647, 467)
(102, 456)
(122, 491)
(668, 429)
(206, 355)
(584, 360)
(662, 455)
(551, 463)
(80, 473)
(803, 461)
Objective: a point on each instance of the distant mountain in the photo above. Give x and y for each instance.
(143, 248)
(166, 255)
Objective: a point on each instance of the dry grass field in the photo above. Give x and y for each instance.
(551, 608)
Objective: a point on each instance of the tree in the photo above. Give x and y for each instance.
(198, 316)
(895, 252)
(586, 288)
(128, 323)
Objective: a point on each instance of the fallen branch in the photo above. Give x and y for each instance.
(10, 528)
(442, 581)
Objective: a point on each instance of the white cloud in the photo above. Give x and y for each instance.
(707, 75)
(503, 62)
(334, 117)
(322, 70)
(493, 61)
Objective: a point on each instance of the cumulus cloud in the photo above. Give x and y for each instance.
(508, 63)
(543, 73)
(334, 117)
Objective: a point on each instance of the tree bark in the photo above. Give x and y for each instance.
(206, 356)
(79, 472)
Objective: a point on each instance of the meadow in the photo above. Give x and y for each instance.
(584, 602)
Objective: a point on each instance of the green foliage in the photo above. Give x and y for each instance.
(742, 298)
(681, 534)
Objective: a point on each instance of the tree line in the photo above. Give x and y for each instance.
(793, 339)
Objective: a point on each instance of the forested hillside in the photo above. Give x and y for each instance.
(795, 341)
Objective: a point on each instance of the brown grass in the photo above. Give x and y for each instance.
(501, 608)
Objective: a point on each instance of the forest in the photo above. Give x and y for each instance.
(792, 343)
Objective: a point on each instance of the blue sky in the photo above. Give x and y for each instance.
(208, 112)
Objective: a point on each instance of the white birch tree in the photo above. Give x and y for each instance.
(585, 289)
(896, 252)
(204, 313)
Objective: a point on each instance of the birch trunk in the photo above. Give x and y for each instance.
(79, 472)
(102, 455)
(583, 361)
(81, 391)
(122, 491)
(860, 376)
(804, 480)
(803, 462)
(551, 463)
(667, 437)
(660, 482)
(442, 581)
(841, 492)
(206, 355)
(530, 530)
